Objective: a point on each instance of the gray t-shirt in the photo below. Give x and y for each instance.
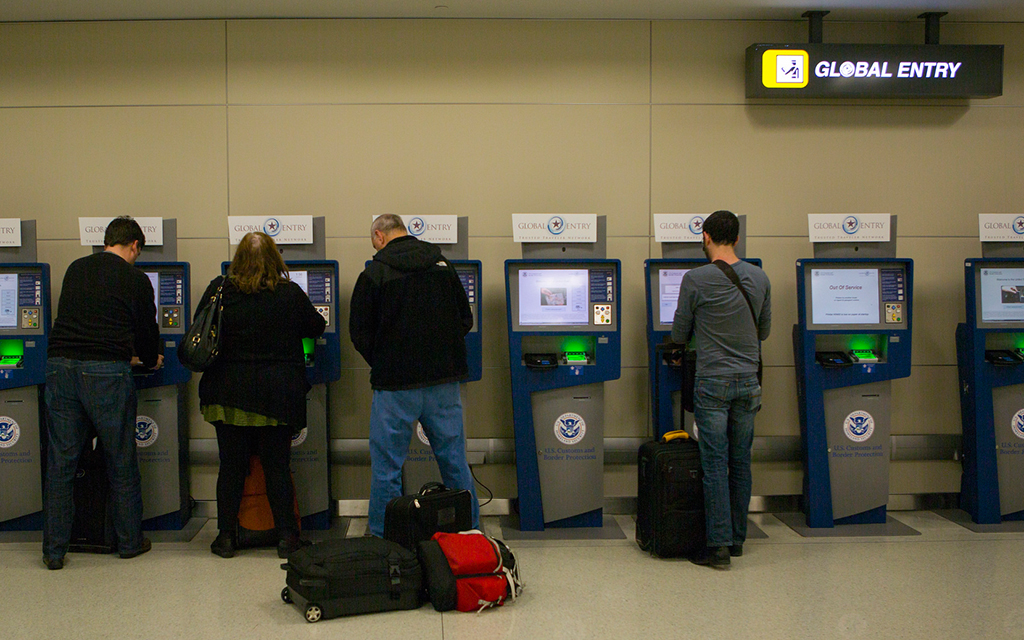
(711, 305)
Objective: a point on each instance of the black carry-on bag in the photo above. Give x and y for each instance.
(348, 576)
(670, 497)
(92, 530)
(408, 520)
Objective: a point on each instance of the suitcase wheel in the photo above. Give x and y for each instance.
(286, 595)
(313, 612)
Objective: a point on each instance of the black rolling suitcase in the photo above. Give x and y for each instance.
(670, 497)
(408, 520)
(92, 530)
(348, 576)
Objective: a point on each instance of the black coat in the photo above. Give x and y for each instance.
(410, 316)
(261, 366)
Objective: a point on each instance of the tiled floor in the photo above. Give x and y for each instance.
(947, 582)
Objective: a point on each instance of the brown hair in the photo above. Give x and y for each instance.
(257, 264)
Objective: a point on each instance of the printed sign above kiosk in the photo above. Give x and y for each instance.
(874, 71)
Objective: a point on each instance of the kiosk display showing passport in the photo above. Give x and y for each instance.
(311, 447)
(24, 331)
(161, 425)
(564, 344)
(990, 359)
(663, 277)
(420, 465)
(852, 339)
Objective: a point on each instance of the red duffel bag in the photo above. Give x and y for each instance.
(469, 571)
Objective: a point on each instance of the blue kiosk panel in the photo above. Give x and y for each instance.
(852, 338)
(663, 277)
(24, 332)
(311, 447)
(161, 425)
(990, 359)
(564, 343)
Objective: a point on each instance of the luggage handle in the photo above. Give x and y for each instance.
(432, 487)
(312, 582)
(674, 435)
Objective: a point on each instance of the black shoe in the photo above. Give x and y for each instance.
(53, 564)
(717, 557)
(290, 545)
(224, 545)
(143, 548)
(736, 550)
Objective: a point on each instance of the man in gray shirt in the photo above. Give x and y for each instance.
(727, 393)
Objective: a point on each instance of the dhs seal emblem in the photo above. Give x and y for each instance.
(851, 224)
(299, 438)
(272, 227)
(859, 426)
(421, 434)
(1016, 425)
(556, 225)
(570, 428)
(9, 432)
(696, 225)
(417, 226)
(146, 431)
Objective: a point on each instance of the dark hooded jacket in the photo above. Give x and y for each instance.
(410, 316)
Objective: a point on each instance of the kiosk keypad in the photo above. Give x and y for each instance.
(30, 318)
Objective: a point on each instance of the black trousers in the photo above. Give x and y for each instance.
(274, 447)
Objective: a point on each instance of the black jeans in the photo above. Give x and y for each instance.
(274, 446)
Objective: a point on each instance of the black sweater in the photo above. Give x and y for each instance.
(106, 312)
(410, 316)
(261, 366)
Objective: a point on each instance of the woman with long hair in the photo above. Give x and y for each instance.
(255, 393)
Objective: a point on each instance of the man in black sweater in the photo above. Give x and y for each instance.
(106, 321)
(409, 320)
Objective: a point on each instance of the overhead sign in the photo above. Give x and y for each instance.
(848, 227)
(435, 229)
(679, 227)
(554, 227)
(91, 230)
(283, 229)
(874, 71)
(10, 232)
(1001, 227)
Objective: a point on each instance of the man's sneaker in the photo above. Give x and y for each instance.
(53, 564)
(717, 557)
(146, 546)
(736, 550)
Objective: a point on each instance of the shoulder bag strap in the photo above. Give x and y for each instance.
(735, 279)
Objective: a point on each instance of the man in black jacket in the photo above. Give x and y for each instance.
(409, 319)
(106, 321)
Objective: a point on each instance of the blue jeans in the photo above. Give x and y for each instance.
(78, 394)
(724, 410)
(392, 416)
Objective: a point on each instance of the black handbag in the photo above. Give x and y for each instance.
(413, 518)
(200, 345)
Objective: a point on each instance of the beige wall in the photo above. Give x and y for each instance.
(199, 120)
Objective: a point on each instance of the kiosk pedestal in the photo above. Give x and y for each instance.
(990, 361)
(24, 331)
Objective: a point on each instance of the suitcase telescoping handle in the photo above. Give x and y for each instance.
(675, 435)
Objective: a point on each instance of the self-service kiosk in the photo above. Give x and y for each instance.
(564, 344)
(310, 460)
(161, 426)
(852, 339)
(24, 329)
(663, 277)
(420, 465)
(990, 358)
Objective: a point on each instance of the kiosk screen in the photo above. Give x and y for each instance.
(668, 293)
(845, 296)
(1002, 295)
(554, 297)
(21, 297)
(315, 283)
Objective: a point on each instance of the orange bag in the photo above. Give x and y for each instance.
(255, 520)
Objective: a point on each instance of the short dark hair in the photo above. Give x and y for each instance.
(723, 227)
(123, 230)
